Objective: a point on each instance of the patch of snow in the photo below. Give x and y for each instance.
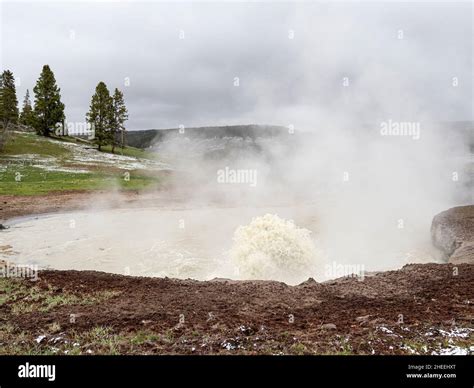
(227, 345)
(56, 339)
(410, 349)
(385, 330)
(457, 332)
(56, 168)
(47, 163)
(452, 351)
(82, 154)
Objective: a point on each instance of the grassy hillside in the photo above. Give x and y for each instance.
(32, 164)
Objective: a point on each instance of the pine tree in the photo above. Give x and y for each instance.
(8, 105)
(27, 116)
(120, 115)
(100, 115)
(49, 110)
(8, 100)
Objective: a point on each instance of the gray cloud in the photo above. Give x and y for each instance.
(190, 81)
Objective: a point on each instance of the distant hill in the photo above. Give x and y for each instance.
(146, 138)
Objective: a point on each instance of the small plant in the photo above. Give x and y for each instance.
(54, 327)
(298, 348)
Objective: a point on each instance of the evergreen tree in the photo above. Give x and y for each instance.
(100, 115)
(120, 115)
(49, 110)
(8, 105)
(8, 100)
(27, 116)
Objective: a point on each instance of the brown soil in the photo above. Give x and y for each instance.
(411, 310)
(15, 206)
(388, 313)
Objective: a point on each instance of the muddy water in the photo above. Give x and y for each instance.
(180, 243)
(183, 243)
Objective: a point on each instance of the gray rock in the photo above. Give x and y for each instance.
(452, 231)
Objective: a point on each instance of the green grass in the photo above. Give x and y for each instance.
(298, 349)
(130, 151)
(144, 336)
(126, 151)
(36, 181)
(24, 299)
(20, 177)
(30, 143)
(101, 339)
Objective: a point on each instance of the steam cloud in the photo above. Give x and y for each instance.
(376, 100)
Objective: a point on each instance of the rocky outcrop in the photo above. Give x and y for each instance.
(452, 231)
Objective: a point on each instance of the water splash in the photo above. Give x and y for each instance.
(273, 248)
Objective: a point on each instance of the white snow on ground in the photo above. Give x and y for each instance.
(409, 349)
(385, 330)
(458, 332)
(453, 351)
(47, 163)
(83, 155)
(449, 349)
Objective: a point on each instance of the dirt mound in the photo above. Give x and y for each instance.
(396, 312)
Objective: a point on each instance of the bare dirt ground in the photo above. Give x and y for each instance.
(15, 206)
(420, 309)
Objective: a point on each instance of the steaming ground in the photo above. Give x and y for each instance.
(359, 202)
(189, 243)
(181, 243)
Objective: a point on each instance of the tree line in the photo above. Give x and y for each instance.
(106, 116)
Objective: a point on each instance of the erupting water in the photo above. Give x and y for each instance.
(273, 248)
(204, 243)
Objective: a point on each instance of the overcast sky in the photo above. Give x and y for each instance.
(291, 59)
